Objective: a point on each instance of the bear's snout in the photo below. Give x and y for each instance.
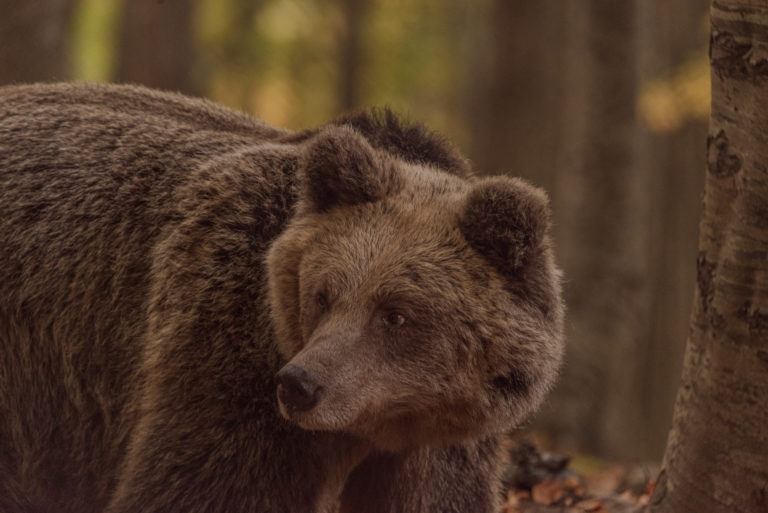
(296, 389)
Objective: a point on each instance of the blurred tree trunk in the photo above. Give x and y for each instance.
(34, 37)
(562, 114)
(601, 207)
(516, 88)
(240, 55)
(671, 32)
(157, 46)
(717, 452)
(626, 203)
(351, 49)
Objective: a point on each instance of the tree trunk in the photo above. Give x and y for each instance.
(157, 47)
(717, 453)
(671, 32)
(238, 58)
(516, 88)
(601, 209)
(626, 205)
(34, 40)
(351, 51)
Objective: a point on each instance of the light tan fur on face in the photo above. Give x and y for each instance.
(405, 252)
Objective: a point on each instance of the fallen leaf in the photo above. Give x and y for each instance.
(512, 498)
(590, 505)
(548, 492)
(606, 481)
(627, 496)
(573, 483)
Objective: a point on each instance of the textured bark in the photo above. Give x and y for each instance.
(157, 46)
(717, 453)
(33, 40)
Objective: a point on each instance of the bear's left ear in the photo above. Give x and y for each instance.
(505, 219)
(341, 168)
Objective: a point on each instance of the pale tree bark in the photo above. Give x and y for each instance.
(157, 46)
(717, 453)
(34, 37)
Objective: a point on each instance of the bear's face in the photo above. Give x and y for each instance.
(412, 306)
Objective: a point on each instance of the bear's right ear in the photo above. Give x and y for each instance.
(341, 168)
(505, 220)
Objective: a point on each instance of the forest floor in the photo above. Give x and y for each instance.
(547, 482)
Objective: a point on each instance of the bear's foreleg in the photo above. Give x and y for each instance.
(452, 479)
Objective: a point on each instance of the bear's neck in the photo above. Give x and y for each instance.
(346, 453)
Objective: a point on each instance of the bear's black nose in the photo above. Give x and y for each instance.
(296, 389)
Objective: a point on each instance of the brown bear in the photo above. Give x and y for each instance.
(203, 313)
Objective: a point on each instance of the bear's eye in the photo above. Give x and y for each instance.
(395, 319)
(321, 300)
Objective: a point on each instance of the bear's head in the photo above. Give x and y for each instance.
(412, 306)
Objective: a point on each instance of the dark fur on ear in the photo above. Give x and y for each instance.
(341, 168)
(412, 142)
(505, 219)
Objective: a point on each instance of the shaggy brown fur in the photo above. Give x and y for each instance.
(163, 258)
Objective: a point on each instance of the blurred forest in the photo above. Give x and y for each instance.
(602, 102)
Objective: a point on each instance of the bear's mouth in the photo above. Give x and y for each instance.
(386, 431)
(310, 405)
(317, 418)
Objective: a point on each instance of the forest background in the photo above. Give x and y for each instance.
(604, 103)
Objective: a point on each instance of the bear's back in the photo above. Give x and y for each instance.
(89, 182)
(89, 173)
(90, 176)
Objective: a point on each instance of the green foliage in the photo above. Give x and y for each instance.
(413, 60)
(667, 103)
(284, 64)
(274, 58)
(94, 38)
(286, 67)
(280, 60)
